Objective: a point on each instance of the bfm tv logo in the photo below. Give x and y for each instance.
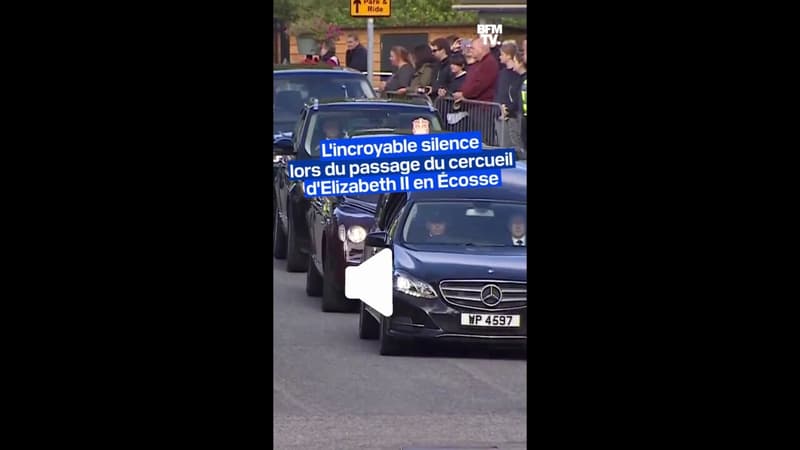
(490, 33)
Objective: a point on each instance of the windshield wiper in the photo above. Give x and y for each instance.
(470, 244)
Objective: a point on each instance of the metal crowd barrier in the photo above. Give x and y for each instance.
(420, 98)
(469, 115)
(474, 115)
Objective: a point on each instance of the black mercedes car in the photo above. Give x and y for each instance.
(318, 121)
(459, 263)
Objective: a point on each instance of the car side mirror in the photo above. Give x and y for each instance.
(377, 239)
(283, 146)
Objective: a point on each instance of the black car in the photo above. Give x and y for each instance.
(295, 86)
(459, 275)
(318, 120)
(337, 229)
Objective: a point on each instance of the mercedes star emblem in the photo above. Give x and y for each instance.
(491, 295)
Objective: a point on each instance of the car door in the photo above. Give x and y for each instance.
(282, 181)
(318, 218)
(389, 219)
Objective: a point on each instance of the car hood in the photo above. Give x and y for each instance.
(433, 263)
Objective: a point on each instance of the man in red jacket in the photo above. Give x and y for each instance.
(480, 84)
(481, 80)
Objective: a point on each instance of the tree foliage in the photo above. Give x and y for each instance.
(404, 13)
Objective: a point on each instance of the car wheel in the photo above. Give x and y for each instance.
(333, 299)
(313, 280)
(295, 261)
(279, 239)
(389, 346)
(368, 327)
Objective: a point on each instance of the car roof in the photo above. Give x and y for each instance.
(371, 103)
(513, 188)
(388, 132)
(314, 70)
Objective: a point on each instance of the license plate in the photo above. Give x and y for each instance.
(490, 320)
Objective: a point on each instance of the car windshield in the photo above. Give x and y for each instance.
(292, 93)
(339, 124)
(493, 224)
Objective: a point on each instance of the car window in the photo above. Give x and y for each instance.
(299, 127)
(394, 221)
(463, 223)
(339, 124)
(291, 94)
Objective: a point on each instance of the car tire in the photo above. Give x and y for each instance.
(368, 327)
(313, 280)
(389, 346)
(295, 260)
(279, 239)
(333, 299)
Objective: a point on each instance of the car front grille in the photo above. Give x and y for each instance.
(467, 294)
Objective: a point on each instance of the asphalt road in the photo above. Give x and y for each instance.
(333, 390)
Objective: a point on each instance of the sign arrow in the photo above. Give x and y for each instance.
(356, 2)
(371, 282)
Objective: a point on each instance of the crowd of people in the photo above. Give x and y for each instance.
(457, 68)
(469, 69)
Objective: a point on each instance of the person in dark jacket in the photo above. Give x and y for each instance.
(505, 79)
(456, 119)
(403, 73)
(441, 50)
(356, 55)
(506, 73)
(327, 50)
(424, 70)
(457, 75)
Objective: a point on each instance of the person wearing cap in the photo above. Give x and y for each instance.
(516, 225)
(437, 228)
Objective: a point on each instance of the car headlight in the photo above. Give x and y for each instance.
(356, 234)
(413, 287)
(342, 235)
